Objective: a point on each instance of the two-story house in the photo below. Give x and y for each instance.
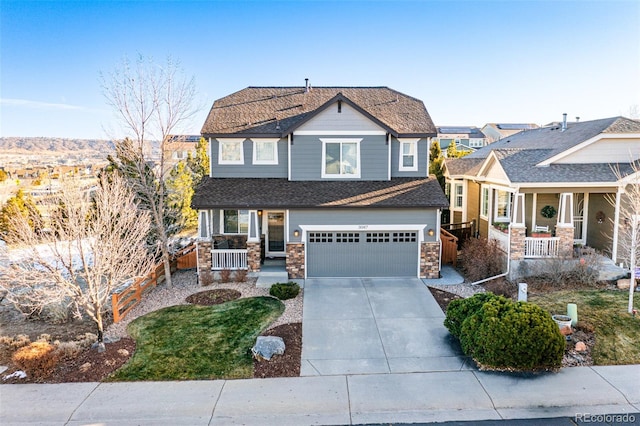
(496, 131)
(333, 179)
(467, 138)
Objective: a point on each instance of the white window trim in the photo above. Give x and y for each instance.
(454, 195)
(222, 230)
(325, 141)
(230, 140)
(503, 219)
(484, 199)
(413, 142)
(275, 151)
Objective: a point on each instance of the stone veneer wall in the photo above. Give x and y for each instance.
(295, 260)
(430, 260)
(203, 249)
(565, 233)
(253, 257)
(518, 234)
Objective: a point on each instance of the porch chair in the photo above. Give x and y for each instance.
(538, 228)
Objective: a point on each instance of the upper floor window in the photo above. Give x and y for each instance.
(265, 151)
(341, 158)
(235, 221)
(408, 155)
(458, 196)
(230, 151)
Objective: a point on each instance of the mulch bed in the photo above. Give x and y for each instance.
(443, 297)
(213, 297)
(288, 364)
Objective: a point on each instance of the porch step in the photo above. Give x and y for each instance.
(267, 279)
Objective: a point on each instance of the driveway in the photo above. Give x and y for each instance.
(374, 325)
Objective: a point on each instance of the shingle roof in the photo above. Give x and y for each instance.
(472, 131)
(518, 154)
(281, 193)
(279, 110)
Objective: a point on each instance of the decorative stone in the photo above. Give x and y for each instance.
(295, 260)
(581, 347)
(430, 260)
(16, 375)
(624, 283)
(267, 346)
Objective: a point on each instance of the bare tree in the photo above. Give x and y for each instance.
(629, 229)
(152, 103)
(94, 244)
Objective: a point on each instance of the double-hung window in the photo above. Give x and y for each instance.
(235, 221)
(265, 151)
(408, 155)
(502, 212)
(484, 201)
(230, 151)
(340, 158)
(458, 195)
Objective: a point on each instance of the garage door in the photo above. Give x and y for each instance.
(362, 254)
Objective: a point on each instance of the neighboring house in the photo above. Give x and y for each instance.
(180, 146)
(467, 138)
(334, 179)
(496, 131)
(541, 191)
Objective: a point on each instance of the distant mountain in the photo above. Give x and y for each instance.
(35, 145)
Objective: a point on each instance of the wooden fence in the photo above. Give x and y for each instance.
(125, 299)
(449, 247)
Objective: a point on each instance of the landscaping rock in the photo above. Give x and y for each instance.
(3, 368)
(581, 347)
(16, 375)
(267, 346)
(624, 283)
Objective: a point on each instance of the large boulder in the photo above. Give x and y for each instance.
(267, 346)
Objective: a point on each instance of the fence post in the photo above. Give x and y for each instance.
(115, 308)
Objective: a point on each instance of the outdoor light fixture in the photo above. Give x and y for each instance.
(431, 232)
(296, 233)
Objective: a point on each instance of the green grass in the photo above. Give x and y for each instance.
(605, 311)
(190, 342)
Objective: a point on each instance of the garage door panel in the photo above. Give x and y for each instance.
(366, 254)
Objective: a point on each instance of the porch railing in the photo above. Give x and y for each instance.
(541, 247)
(228, 259)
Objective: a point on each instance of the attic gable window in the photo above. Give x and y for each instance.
(340, 158)
(408, 155)
(265, 151)
(230, 151)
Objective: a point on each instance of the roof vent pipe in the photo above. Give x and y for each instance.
(577, 119)
(564, 121)
(306, 85)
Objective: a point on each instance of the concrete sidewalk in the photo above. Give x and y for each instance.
(353, 399)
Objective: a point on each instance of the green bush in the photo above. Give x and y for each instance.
(284, 291)
(505, 335)
(460, 309)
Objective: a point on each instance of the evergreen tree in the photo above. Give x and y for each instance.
(180, 190)
(199, 163)
(437, 161)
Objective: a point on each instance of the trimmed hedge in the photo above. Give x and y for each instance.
(284, 291)
(505, 335)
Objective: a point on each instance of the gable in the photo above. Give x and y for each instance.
(493, 171)
(340, 117)
(614, 150)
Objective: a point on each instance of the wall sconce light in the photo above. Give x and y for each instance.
(296, 233)
(431, 232)
(259, 212)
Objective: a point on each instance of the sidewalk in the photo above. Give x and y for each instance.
(356, 399)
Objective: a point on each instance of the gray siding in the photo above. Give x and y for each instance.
(423, 154)
(248, 169)
(306, 156)
(426, 217)
(347, 119)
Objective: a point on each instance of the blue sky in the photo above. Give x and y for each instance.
(471, 62)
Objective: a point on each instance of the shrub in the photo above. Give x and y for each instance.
(481, 258)
(225, 275)
(507, 335)
(37, 359)
(284, 291)
(460, 309)
(240, 275)
(206, 278)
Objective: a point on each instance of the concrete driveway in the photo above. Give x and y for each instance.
(374, 325)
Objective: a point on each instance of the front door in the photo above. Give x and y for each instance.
(275, 234)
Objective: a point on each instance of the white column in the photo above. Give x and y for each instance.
(616, 225)
(565, 210)
(254, 234)
(518, 210)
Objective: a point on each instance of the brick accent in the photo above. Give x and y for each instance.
(203, 249)
(430, 260)
(518, 234)
(295, 260)
(565, 233)
(253, 257)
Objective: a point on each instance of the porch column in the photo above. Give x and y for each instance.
(616, 226)
(253, 243)
(203, 250)
(517, 229)
(518, 210)
(564, 226)
(254, 233)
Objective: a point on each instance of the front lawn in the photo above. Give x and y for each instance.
(617, 333)
(188, 342)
